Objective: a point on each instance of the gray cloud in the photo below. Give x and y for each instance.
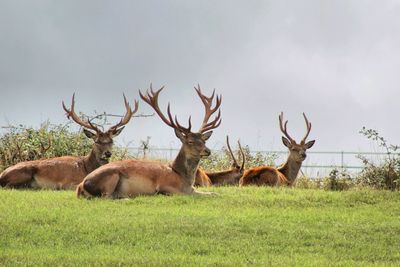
(336, 61)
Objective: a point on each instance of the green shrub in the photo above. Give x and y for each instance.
(222, 160)
(338, 181)
(382, 175)
(20, 143)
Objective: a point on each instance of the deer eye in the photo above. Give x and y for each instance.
(103, 143)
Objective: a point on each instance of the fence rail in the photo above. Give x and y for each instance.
(317, 164)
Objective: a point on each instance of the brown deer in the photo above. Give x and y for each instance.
(67, 171)
(130, 178)
(287, 173)
(228, 177)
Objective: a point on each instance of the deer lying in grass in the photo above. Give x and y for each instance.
(130, 178)
(287, 173)
(228, 177)
(66, 172)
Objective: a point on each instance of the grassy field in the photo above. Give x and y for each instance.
(238, 227)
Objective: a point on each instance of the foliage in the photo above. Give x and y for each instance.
(305, 182)
(222, 160)
(20, 143)
(385, 175)
(338, 181)
(239, 227)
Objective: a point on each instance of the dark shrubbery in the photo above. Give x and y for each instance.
(21, 143)
(384, 175)
(219, 161)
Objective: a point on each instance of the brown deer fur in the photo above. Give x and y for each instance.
(130, 178)
(228, 177)
(287, 173)
(67, 171)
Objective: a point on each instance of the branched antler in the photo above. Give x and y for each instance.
(283, 127)
(71, 114)
(128, 115)
(88, 124)
(308, 125)
(207, 101)
(151, 98)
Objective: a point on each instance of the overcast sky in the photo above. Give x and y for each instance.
(338, 61)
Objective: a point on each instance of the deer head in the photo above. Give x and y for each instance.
(297, 152)
(193, 143)
(103, 140)
(235, 166)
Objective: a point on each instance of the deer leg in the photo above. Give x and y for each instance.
(196, 192)
(103, 187)
(22, 177)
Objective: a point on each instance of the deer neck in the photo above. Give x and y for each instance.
(90, 162)
(290, 169)
(186, 166)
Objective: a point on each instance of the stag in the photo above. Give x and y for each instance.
(130, 178)
(68, 171)
(228, 177)
(287, 173)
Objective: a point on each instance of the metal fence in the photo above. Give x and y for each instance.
(317, 164)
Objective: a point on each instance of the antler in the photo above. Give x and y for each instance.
(71, 114)
(243, 156)
(151, 98)
(128, 115)
(284, 128)
(230, 150)
(207, 101)
(308, 124)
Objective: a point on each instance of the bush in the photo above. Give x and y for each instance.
(20, 143)
(384, 175)
(338, 181)
(308, 183)
(222, 160)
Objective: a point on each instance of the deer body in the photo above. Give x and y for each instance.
(228, 177)
(55, 173)
(287, 173)
(131, 178)
(67, 171)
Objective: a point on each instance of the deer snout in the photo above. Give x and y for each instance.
(107, 154)
(206, 152)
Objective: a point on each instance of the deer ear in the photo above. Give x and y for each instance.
(310, 144)
(286, 142)
(89, 134)
(180, 135)
(116, 132)
(206, 135)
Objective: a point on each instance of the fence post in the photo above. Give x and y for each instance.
(342, 161)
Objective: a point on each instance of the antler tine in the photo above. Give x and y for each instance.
(243, 156)
(128, 114)
(308, 125)
(284, 127)
(188, 129)
(151, 98)
(71, 114)
(230, 151)
(207, 101)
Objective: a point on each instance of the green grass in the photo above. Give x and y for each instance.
(239, 227)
